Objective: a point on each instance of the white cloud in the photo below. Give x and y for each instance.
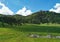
(5, 10)
(56, 8)
(24, 12)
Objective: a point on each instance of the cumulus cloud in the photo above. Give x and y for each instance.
(24, 12)
(5, 10)
(56, 8)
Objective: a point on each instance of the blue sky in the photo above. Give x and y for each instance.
(33, 5)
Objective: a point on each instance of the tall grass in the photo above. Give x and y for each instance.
(19, 34)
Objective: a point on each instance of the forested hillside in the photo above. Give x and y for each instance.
(35, 18)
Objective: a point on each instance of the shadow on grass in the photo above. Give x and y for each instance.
(34, 28)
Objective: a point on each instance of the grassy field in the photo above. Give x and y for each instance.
(19, 34)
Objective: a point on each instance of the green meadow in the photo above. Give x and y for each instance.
(20, 33)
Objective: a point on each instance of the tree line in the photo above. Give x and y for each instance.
(36, 18)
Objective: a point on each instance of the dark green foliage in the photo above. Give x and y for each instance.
(35, 18)
(36, 28)
(44, 17)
